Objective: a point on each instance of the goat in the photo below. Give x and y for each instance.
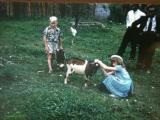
(74, 32)
(79, 66)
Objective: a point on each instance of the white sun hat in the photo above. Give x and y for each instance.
(53, 18)
(117, 56)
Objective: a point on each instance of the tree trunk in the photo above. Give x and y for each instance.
(62, 10)
(8, 8)
(40, 9)
(29, 9)
(76, 13)
(43, 9)
(56, 9)
(51, 11)
(11, 9)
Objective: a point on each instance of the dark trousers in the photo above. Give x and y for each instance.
(147, 48)
(131, 36)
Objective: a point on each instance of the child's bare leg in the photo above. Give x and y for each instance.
(50, 62)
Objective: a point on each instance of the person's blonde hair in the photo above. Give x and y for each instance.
(53, 18)
(118, 59)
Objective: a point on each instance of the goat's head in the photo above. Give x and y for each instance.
(91, 68)
(94, 64)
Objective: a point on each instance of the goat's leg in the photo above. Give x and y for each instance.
(86, 81)
(67, 75)
(66, 78)
(73, 40)
(89, 82)
(69, 71)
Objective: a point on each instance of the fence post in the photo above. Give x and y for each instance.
(29, 8)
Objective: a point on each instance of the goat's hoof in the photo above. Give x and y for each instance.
(85, 85)
(65, 81)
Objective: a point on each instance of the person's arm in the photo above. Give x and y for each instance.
(45, 43)
(102, 65)
(110, 73)
(107, 72)
(137, 22)
(129, 19)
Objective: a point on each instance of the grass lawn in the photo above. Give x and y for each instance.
(29, 92)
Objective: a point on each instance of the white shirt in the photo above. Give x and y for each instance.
(133, 16)
(153, 28)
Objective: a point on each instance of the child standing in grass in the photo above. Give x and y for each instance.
(52, 40)
(117, 81)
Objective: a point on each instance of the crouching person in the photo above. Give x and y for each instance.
(117, 81)
(52, 40)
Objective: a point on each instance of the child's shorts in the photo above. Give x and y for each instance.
(52, 47)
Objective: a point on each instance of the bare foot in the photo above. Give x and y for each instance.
(50, 71)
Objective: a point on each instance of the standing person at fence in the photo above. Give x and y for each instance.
(150, 33)
(52, 40)
(131, 35)
(117, 81)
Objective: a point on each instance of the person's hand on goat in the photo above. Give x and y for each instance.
(97, 61)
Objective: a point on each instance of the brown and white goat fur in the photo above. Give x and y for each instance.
(79, 66)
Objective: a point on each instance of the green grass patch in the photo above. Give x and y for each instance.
(28, 92)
